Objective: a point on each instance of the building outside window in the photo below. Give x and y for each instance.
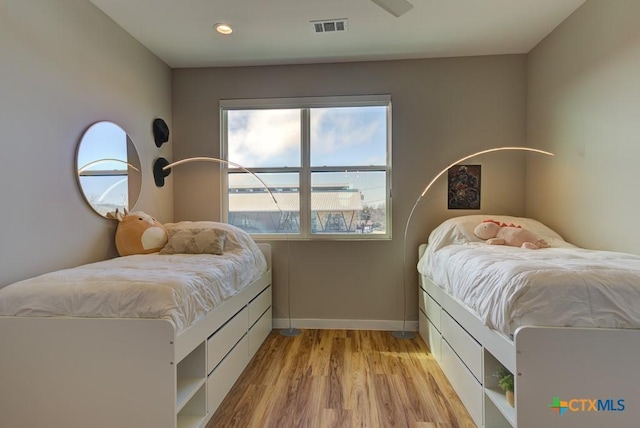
(326, 161)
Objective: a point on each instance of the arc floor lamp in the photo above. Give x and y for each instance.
(162, 168)
(404, 334)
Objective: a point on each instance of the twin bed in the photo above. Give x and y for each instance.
(154, 340)
(158, 340)
(564, 320)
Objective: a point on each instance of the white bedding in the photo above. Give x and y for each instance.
(510, 287)
(181, 288)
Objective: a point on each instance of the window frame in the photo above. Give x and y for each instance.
(305, 170)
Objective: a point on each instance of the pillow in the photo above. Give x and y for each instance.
(459, 230)
(236, 239)
(195, 240)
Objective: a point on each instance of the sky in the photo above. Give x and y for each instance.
(339, 137)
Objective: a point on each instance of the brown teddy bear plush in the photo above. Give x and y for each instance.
(496, 233)
(139, 233)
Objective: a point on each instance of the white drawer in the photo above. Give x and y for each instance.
(258, 305)
(465, 384)
(431, 308)
(225, 338)
(225, 375)
(431, 336)
(422, 295)
(259, 332)
(469, 351)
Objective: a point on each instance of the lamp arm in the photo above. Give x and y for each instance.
(223, 162)
(110, 188)
(160, 170)
(84, 167)
(495, 149)
(403, 334)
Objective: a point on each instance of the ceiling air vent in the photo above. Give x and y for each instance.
(329, 26)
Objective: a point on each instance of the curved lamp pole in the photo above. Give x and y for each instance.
(105, 160)
(162, 168)
(404, 334)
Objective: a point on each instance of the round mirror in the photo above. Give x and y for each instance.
(108, 169)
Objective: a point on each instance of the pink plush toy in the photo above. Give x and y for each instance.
(496, 233)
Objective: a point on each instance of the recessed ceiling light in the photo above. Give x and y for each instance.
(223, 28)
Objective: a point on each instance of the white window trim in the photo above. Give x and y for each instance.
(305, 169)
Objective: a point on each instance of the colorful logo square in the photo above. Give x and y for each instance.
(558, 406)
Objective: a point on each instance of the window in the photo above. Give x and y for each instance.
(325, 161)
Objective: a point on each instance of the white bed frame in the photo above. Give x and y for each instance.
(587, 368)
(128, 373)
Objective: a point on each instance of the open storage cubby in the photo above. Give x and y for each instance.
(191, 399)
(497, 411)
(194, 413)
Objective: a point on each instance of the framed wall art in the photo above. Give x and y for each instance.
(464, 187)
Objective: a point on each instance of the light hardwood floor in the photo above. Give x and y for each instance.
(342, 378)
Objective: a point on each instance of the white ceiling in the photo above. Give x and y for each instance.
(279, 31)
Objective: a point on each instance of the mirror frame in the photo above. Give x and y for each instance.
(133, 171)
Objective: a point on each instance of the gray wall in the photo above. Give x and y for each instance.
(443, 109)
(584, 104)
(63, 66)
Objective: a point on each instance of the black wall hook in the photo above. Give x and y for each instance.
(160, 132)
(158, 173)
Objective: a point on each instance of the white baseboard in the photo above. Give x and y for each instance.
(333, 324)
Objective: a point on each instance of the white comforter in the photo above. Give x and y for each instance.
(510, 287)
(181, 288)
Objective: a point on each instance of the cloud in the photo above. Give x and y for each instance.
(259, 138)
(349, 136)
(339, 136)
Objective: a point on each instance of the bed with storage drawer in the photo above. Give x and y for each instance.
(138, 341)
(564, 320)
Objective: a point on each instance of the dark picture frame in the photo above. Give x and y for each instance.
(463, 191)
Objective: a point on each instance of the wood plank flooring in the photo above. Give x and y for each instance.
(342, 378)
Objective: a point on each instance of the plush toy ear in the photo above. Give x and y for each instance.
(119, 216)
